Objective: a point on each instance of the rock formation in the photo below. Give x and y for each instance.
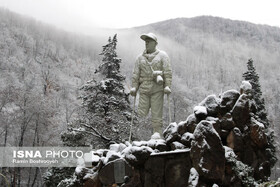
(222, 143)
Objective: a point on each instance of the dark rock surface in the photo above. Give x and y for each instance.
(207, 153)
(171, 169)
(212, 104)
(228, 100)
(241, 112)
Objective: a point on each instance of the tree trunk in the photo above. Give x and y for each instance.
(35, 177)
(6, 134)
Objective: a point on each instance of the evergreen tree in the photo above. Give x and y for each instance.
(104, 116)
(106, 110)
(252, 76)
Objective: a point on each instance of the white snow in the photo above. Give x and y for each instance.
(178, 145)
(200, 110)
(189, 118)
(127, 152)
(110, 154)
(121, 147)
(153, 143)
(95, 158)
(237, 131)
(210, 118)
(201, 162)
(155, 136)
(229, 153)
(181, 123)
(89, 176)
(257, 123)
(246, 86)
(139, 143)
(114, 147)
(103, 84)
(212, 104)
(79, 169)
(188, 136)
(200, 128)
(100, 152)
(172, 128)
(90, 157)
(193, 178)
(171, 152)
(128, 144)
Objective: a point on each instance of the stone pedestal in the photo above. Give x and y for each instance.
(168, 169)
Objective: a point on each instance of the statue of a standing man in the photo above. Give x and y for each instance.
(152, 76)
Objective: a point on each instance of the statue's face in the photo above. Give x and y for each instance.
(150, 45)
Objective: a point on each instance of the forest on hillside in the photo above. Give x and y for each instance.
(43, 68)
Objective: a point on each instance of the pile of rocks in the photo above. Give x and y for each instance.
(222, 143)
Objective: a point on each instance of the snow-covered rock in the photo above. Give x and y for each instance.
(137, 155)
(171, 133)
(245, 87)
(186, 139)
(200, 112)
(228, 100)
(111, 155)
(177, 145)
(227, 122)
(212, 104)
(241, 111)
(193, 178)
(188, 125)
(207, 152)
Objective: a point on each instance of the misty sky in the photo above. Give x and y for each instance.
(86, 14)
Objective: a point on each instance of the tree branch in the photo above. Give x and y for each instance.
(98, 133)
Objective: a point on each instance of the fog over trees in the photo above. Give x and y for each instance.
(42, 69)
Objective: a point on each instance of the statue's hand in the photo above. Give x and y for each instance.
(167, 90)
(133, 92)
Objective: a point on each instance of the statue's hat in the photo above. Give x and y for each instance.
(149, 35)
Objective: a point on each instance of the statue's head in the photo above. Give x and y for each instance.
(150, 42)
